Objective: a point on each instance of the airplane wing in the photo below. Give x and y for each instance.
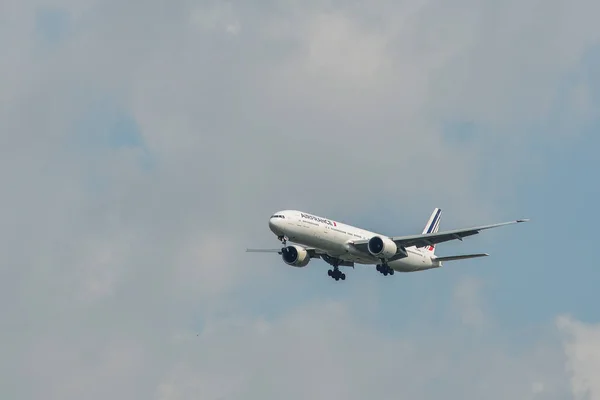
(312, 252)
(435, 238)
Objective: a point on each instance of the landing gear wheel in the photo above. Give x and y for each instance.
(384, 269)
(336, 274)
(283, 240)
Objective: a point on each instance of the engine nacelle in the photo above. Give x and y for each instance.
(382, 247)
(295, 256)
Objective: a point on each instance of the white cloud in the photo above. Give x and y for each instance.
(324, 350)
(219, 15)
(340, 51)
(469, 302)
(109, 270)
(203, 269)
(582, 347)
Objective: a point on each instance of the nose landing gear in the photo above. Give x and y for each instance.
(283, 240)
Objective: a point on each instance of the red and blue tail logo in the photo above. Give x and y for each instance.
(432, 226)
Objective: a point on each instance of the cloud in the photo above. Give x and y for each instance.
(202, 271)
(582, 347)
(324, 349)
(110, 269)
(468, 302)
(218, 15)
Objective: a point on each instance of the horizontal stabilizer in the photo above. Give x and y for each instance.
(462, 257)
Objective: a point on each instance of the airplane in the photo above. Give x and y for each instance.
(339, 244)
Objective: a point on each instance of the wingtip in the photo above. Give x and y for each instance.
(523, 220)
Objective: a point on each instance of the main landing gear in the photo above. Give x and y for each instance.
(336, 274)
(385, 269)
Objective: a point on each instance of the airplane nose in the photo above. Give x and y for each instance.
(274, 226)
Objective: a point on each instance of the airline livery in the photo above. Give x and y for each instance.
(339, 244)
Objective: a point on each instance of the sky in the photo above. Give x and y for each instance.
(145, 145)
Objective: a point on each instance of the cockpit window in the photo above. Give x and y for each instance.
(277, 216)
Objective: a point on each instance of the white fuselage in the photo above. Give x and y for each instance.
(335, 239)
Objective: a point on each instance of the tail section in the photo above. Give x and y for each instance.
(461, 257)
(438, 261)
(432, 226)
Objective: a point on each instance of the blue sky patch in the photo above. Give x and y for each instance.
(104, 126)
(52, 24)
(459, 132)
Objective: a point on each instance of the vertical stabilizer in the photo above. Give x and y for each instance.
(432, 226)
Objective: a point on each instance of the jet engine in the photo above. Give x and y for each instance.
(295, 256)
(382, 247)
